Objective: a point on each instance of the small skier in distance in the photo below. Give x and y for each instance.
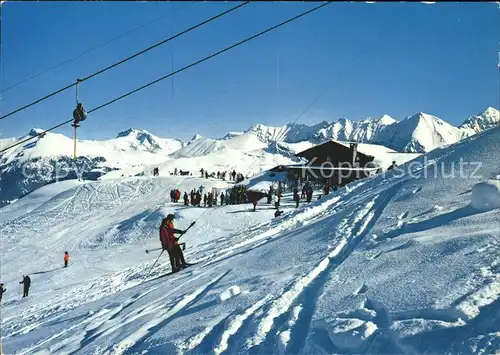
(393, 165)
(296, 197)
(2, 291)
(27, 283)
(66, 259)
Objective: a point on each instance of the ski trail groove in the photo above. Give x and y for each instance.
(114, 323)
(352, 230)
(236, 324)
(283, 303)
(197, 341)
(139, 336)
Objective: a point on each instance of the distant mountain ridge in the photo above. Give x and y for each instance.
(136, 148)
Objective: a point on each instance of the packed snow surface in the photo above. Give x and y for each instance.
(400, 262)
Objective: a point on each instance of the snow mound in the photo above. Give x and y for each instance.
(229, 293)
(351, 333)
(486, 195)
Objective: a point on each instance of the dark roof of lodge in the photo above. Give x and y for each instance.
(341, 150)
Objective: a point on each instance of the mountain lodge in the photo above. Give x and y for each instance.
(335, 162)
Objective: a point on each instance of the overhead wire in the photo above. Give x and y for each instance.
(323, 92)
(177, 71)
(90, 50)
(90, 76)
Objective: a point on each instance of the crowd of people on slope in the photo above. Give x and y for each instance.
(275, 196)
(200, 198)
(221, 175)
(156, 172)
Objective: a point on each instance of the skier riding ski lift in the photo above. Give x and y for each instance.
(79, 113)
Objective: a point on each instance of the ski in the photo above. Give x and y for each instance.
(170, 273)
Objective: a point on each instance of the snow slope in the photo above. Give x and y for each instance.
(200, 146)
(397, 263)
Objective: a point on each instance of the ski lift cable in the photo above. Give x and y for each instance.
(90, 50)
(177, 71)
(316, 99)
(210, 56)
(124, 60)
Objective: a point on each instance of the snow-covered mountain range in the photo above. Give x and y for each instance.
(417, 133)
(43, 160)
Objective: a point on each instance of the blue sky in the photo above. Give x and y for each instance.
(382, 58)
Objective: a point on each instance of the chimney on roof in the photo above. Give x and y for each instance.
(354, 149)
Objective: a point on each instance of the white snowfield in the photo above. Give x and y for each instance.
(396, 263)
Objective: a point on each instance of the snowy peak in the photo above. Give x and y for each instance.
(268, 134)
(139, 139)
(141, 136)
(196, 137)
(291, 133)
(35, 131)
(347, 130)
(421, 132)
(230, 135)
(480, 122)
(426, 119)
(133, 132)
(200, 146)
(386, 120)
(491, 112)
(432, 132)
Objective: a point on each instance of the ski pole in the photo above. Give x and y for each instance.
(150, 250)
(154, 264)
(192, 224)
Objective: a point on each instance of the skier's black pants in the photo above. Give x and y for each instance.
(25, 291)
(171, 254)
(65, 263)
(176, 257)
(179, 255)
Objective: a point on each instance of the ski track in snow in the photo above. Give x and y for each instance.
(161, 317)
(236, 324)
(285, 335)
(350, 232)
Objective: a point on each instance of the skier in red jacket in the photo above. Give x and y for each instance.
(170, 243)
